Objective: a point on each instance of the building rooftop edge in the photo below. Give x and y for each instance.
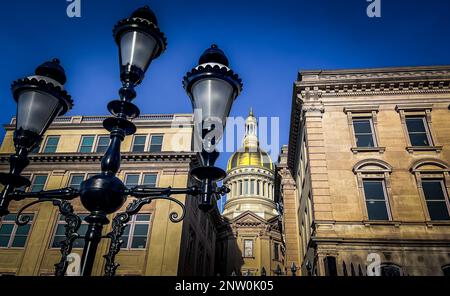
(388, 69)
(80, 119)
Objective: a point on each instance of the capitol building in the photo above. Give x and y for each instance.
(251, 237)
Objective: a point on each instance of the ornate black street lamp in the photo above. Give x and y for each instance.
(40, 98)
(278, 270)
(293, 269)
(212, 87)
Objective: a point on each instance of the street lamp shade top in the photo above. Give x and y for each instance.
(145, 13)
(213, 55)
(52, 69)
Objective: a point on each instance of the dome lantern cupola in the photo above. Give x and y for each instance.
(250, 154)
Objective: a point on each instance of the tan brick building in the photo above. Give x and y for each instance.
(366, 173)
(158, 154)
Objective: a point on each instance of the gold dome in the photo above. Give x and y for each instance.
(250, 158)
(250, 155)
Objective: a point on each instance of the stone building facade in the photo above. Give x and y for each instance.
(366, 174)
(249, 240)
(159, 154)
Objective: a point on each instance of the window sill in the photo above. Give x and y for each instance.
(368, 149)
(432, 223)
(412, 149)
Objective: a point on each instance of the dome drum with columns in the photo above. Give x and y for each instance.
(250, 177)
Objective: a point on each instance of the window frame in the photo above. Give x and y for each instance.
(150, 142)
(374, 169)
(372, 131)
(14, 231)
(385, 193)
(141, 177)
(419, 110)
(81, 143)
(431, 168)
(244, 241)
(132, 223)
(360, 113)
(444, 192)
(425, 125)
(33, 177)
(145, 143)
(44, 147)
(276, 251)
(97, 141)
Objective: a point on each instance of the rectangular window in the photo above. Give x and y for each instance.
(102, 144)
(240, 187)
(139, 144)
(248, 248)
(417, 131)
(252, 186)
(136, 232)
(38, 183)
(245, 187)
(436, 199)
(51, 145)
(149, 180)
(276, 254)
(132, 180)
(75, 180)
(60, 231)
(364, 133)
(12, 235)
(376, 199)
(156, 143)
(87, 142)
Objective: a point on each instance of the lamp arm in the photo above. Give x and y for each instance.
(59, 198)
(67, 193)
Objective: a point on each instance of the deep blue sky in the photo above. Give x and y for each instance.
(267, 42)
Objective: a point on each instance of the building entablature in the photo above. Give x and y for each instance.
(67, 158)
(381, 81)
(143, 121)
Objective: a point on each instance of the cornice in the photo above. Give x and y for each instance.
(94, 122)
(388, 73)
(91, 157)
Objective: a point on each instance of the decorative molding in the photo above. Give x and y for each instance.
(357, 150)
(91, 157)
(413, 107)
(362, 109)
(383, 166)
(442, 165)
(412, 149)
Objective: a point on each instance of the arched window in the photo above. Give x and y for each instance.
(389, 269)
(433, 184)
(373, 176)
(446, 270)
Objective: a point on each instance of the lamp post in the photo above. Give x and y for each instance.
(212, 87)
(40, 98)
(278, 270)
(293, 269)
